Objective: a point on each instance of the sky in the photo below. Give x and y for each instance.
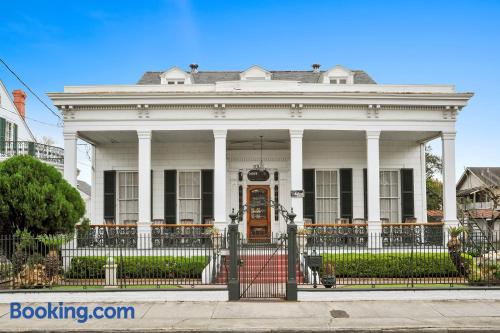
(54, 43)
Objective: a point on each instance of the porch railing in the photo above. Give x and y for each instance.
(41, 151)
(185, 235)
(407, 234)
(107, 235)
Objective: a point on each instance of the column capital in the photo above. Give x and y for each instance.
(448, 135)
(144, 134)
(372, 134)
(296, 133)
(220, 133)
(70, 135)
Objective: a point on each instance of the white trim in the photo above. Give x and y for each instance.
(178, 198)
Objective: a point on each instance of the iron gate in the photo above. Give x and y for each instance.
(263, 268)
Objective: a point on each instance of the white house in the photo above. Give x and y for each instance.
(16, 137)
(185, 147)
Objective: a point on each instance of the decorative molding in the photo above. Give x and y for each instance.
(220, 133)
(373, 135)
(67, 111)
(296, 110)
(448, 135)
(220, 110)
(143, 111)
(373, 111)
(450, 112)
(144, 134)
(296, 133)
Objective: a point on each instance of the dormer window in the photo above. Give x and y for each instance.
(338, 75)
(255, 73)
(175, 76)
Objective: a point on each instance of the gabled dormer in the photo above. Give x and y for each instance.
(255, 73)
(338, 75)
(175, 75)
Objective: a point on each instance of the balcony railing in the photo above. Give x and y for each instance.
(183, 235)
(41, 151)
(411, 234)
(108, 235)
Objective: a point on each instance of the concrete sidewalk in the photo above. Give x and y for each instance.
(343, 316)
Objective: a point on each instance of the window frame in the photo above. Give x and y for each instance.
(9, 131)
(118, 200)
(316, 196)
(398, 198)
(337, 80)
(179, 199)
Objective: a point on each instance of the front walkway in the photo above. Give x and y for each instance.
(345, 316)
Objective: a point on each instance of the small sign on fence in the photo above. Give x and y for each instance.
(297, 193)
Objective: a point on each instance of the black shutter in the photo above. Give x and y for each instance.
(151, 197)
(407, 196)
(110, 194)
(346, 193)
(309, 194)
(207, 195)
(170, 196)
(365, 192)
(2, 134)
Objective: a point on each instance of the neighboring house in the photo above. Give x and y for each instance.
(185, 147)
(16, 137)
(85, 192)
(476, 189)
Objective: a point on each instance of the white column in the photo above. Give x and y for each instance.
(220, 213)
(144, 162)
(70, 157)
(449, 189)
(296, 173)
(423, 183)
(373, 185)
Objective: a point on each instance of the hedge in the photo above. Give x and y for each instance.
(139, 267)
(393, 265)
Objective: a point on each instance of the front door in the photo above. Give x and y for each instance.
(258, 213)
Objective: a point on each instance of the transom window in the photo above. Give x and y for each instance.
(389, 195)
(338, 81)
(190, 197)
(128, 197)
(327, 196)
(175, 82)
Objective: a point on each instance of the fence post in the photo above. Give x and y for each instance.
(233, 284)
(291, 283)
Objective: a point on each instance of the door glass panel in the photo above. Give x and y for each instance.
(258, 210)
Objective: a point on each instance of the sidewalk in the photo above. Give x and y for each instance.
(343, 316)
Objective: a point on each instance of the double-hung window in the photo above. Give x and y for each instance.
(190, 196)
(327, 196)
(128, 196)
(389, 195)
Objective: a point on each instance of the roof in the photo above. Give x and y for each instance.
(210, 77)
(482, 214)
(490, 176)
(434, 213)
(468, 191)
(9, 97)
(83, 187)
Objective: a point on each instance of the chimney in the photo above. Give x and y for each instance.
(316, 68)
(20, 101)
(194, 68)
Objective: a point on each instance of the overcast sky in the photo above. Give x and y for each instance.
(55, 43)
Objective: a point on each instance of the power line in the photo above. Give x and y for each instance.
(30, 90)
(32, 119)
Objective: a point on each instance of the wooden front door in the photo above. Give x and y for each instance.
(258, 213)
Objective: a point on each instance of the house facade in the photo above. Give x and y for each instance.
(189, 146)
(16, 137)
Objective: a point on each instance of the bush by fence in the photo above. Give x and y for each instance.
(139, 267)
(393, 265)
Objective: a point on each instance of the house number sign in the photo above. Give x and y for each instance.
(255, 175)
(297, 194)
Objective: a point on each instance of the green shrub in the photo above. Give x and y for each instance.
(393, 265)
(139, 267)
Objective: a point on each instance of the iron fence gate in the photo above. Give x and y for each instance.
(263, 268)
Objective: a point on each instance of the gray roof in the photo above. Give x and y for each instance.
(84, 187)
(488, 175)
(210, 77)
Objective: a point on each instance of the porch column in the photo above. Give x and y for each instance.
(220, 213)
(373, 186)
(296, 173)
(449, 189)
(144, 163)
(70, 158)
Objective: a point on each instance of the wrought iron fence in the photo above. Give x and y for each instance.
(107, 235)
(64, 264)
(41, 151)
(399, 257)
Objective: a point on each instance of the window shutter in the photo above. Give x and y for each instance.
(170, 197)
(365, 192)
(346, 193)
(207, 195)
(407, 196)
(110, 194)
(14, 137)
(309, 200)
(2, 134)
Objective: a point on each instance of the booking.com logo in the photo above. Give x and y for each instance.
(79, 313)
